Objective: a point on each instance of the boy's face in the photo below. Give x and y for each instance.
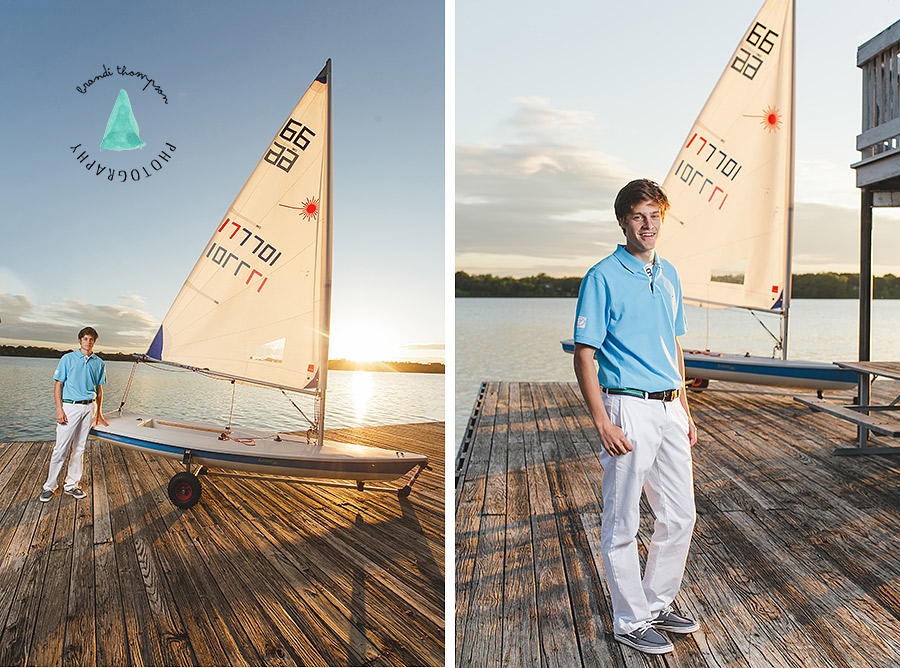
(641, 227)
(87, 344)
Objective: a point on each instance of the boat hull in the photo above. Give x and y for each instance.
(761, 370)
(254, 451)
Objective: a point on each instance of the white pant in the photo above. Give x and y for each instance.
(660, 464)
(71, 436)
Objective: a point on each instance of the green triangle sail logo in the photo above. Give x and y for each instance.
(122, 132)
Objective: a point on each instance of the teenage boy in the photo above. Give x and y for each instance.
(628, 316)
(80, 377)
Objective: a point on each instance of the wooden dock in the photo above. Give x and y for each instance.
(257, 573)
(794, 560)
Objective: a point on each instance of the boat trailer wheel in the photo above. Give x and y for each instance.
(184, 489)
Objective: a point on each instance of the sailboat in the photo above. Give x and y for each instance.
(731, 188)
(255, 309)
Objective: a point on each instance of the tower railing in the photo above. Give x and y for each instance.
(879, 59)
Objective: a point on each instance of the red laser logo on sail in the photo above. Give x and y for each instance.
(309, 210)
(771, 119)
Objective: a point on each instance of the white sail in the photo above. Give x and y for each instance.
(728, 231)
(255, 305)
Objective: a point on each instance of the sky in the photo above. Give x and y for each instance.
(555, 110)
(81, 249)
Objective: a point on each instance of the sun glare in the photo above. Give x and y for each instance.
(369, 347)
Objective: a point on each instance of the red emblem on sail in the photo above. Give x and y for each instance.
(770, 118)
(309, 210)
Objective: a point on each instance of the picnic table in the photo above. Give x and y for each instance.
(861, 412)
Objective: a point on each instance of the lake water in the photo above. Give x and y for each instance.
(517, 339)
(355, 398)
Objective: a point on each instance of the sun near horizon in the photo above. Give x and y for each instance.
(375, 347)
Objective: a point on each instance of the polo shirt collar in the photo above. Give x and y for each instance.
(630, 262)
(84, 357)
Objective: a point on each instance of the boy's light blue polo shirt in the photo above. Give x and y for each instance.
(632, 327)
(80, 375)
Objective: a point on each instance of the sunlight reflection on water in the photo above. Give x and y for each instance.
(354, 398)
(362, 392)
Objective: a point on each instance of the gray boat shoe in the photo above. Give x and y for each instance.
(646, 640)
(76, 492)
(45, 496)
(669, 620)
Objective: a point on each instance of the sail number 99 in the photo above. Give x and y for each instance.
(294, 134)
(763, 41)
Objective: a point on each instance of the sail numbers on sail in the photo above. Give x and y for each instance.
(298, 135)
(221, 255)
(763, 40)
(268, 251)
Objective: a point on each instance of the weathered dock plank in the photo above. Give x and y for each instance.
(257, 573)
(793, 560)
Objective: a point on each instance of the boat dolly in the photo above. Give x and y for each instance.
(185, 488)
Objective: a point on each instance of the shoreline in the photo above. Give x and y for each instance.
(36, 352)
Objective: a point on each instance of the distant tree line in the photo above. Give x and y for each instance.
(403, 367)
(843, 286)
(488, 285)
(53, 353)
(827, 285)
(340, 364)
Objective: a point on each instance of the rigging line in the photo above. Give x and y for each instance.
(774, 338)
(128, 385)
(231, 413)
(707, 328)
(311, 423)
(167, 370)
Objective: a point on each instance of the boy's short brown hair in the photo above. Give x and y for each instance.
(639, 191)
(87, 330)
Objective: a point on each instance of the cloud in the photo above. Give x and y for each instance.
(423, 346)
(826, 238)
(541, 194)
(537, 117)
(132, 300)
(11, 282)
(120, 327)
(543, 202)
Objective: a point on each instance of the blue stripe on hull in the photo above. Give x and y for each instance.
(759, 370)
(347, 466)
(775, 370)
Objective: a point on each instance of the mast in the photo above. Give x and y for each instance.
(325, 303)
(789, 233)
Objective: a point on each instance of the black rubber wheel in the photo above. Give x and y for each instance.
(698, 383)
(184, 489)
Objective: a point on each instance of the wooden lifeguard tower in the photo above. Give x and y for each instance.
(878, 171)
(878, 178)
